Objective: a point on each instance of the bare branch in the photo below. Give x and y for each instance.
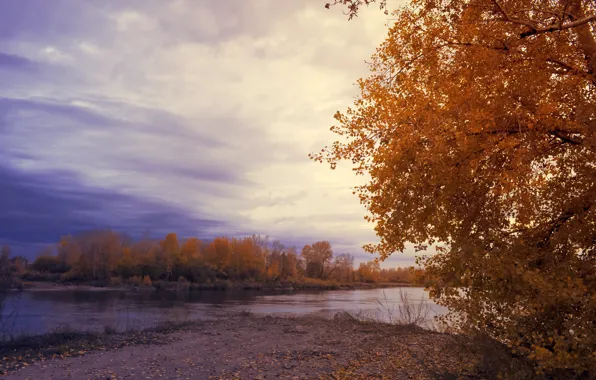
(566, 138)
(355, 5)
(572, 70)
(502, 48)
(556, 27)
(512, 19)
(533, 29)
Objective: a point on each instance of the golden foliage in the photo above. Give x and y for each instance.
(477, 126)
(107, 257)
(369, 272)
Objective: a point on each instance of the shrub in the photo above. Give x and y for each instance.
(147, 281)
(135, 281)
(72, 276)
(39, 276)
(48, 264)
(182, 284)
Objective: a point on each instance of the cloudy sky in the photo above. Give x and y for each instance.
(193, 116)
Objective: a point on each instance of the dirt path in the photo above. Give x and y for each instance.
(250, 347)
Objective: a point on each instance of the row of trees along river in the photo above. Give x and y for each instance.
(109, 257)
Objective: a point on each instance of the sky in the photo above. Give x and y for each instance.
(187, 116)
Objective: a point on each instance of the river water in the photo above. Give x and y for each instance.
(40, 311)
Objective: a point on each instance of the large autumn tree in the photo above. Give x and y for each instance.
(477, 126)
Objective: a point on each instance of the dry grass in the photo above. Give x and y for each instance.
(405, 312)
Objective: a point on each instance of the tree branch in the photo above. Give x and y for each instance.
(512, 19)
(567, 67)
(502, 48)
(566, 138)
(560, 26)
(355, 5)
(533, 29)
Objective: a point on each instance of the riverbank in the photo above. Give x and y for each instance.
(224, 285)
(245, 346)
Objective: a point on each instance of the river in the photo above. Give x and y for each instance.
(34, 312)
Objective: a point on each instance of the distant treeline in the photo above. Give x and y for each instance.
(106, 255)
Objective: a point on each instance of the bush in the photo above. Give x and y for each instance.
(115, 281)
(135, 281)
(39, 276)
(49, 264)
(315, 283)
(182, 284)
(72, 276)
(147, 281)
(181, 279)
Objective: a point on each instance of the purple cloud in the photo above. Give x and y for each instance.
(46, 21)
(38, 208)
(67, 118)
(15, 62)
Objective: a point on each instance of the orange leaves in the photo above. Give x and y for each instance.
(369, 272)
(474, 116)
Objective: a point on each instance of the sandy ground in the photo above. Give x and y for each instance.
(253, 347)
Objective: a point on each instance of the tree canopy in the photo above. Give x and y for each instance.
(108, 257)
(477, 126)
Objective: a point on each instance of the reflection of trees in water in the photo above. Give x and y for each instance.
(104, 299)
(9, 280)
(9, 314)
(97, 300)
(124, 310)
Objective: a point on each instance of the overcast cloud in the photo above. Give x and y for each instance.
(188, 116)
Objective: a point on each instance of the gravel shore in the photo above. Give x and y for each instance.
(244, 346)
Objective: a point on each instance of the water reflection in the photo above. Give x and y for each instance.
(42, 311)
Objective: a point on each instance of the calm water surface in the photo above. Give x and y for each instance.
(41, 311)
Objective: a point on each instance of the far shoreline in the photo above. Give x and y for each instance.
(217, 286)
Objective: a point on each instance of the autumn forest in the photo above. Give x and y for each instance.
(110, 258)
